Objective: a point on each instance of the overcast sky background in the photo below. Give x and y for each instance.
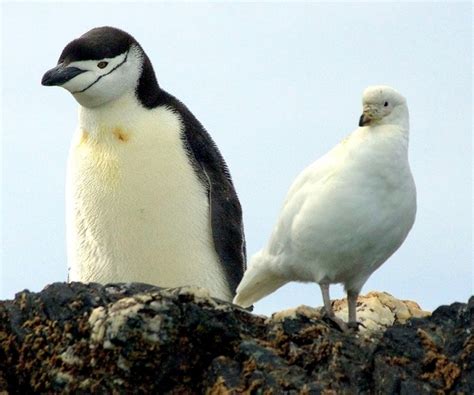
(276, 85)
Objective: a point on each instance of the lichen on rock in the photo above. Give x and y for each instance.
(136, 338)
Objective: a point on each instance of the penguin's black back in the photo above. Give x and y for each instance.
(212, 171)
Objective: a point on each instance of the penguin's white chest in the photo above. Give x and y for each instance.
(136, 210)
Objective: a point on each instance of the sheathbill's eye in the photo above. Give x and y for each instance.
(102, 65)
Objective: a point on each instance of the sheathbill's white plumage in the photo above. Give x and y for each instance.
(345, 214)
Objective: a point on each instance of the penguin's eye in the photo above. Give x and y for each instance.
(385, 104)
(102, 65)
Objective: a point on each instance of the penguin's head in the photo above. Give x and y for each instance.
(99, 67)
(383, 105)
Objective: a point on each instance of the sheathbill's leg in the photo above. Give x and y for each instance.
(329, 311)
(327, 299)
(352, 304)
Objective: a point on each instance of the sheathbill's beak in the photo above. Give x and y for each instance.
(364, 120)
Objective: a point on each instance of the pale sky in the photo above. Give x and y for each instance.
(277, 85)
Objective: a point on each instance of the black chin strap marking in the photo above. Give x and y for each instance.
(103, 75)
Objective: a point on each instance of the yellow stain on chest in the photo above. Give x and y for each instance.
(84, 137)
(98, 155)
(120, 134)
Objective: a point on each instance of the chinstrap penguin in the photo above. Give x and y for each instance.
(346, 214)
(149, 197)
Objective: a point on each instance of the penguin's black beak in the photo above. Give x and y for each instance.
(60, 75)
(364, 120)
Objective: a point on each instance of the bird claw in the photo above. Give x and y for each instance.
(338, 323)
(354, 326)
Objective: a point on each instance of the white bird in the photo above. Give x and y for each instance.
(149, 197)
(345, 214)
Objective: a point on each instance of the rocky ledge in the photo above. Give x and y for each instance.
(134, 338)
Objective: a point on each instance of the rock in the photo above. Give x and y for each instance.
(380, 310)
(376, 311)
(135, 338)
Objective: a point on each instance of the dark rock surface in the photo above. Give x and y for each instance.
(122, 339)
